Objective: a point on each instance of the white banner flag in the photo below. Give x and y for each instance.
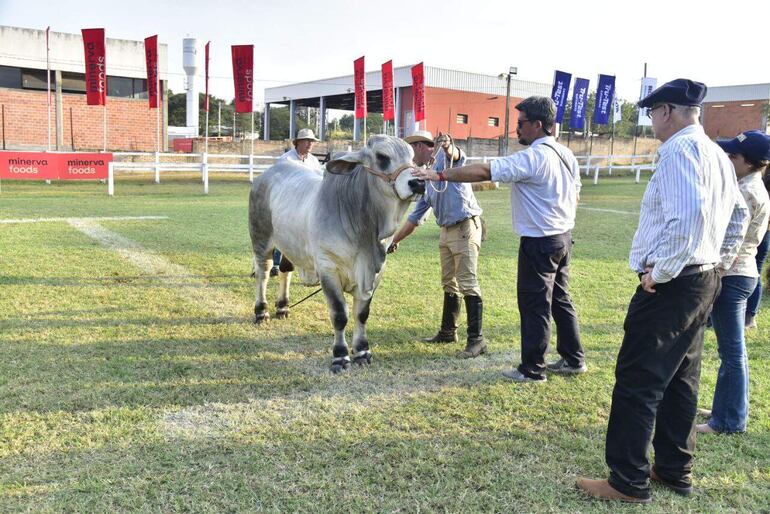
(648, 85)
(617, 114)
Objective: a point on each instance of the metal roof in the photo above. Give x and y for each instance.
(737, 93)
(339, 90)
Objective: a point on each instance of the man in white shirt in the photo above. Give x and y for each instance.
(692, 221)
(301, 153)
(545, 183)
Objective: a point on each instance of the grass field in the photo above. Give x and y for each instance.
(132, 377)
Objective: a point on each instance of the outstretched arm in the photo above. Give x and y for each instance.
(470, 173)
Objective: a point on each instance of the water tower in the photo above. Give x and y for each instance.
(191, 66)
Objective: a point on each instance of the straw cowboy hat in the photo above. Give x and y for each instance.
(305, 134)
(420, 136)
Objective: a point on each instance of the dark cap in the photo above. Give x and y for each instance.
(678, 91)
(753, 145)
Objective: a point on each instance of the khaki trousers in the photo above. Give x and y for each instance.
(459, 250)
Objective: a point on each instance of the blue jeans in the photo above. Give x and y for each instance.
(276, 258)
(730, 409)
(752, 306)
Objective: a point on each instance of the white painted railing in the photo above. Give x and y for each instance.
(202, 163)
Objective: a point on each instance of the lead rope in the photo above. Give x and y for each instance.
(433, 159)
(305, 298)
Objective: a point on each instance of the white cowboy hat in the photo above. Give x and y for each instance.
(305, 134)
(420, 136)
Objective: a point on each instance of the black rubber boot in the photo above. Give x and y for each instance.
(448, 331)
(476, 345)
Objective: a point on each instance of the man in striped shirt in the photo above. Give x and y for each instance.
(691, 224)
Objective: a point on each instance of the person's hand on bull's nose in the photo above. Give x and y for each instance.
(424, 174)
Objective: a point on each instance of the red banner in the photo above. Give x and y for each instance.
(360, 85)
(388, 106)
(96, 66)
(243, 76)
(418, 92)
(151, 57)
(54, 166)
(206, 66)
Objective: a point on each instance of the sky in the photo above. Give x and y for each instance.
(717, 43)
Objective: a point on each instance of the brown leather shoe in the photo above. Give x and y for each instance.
(602, 490)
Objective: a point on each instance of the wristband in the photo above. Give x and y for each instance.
(441, 177)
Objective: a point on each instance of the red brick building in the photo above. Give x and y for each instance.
(131, 124)
(730, 110)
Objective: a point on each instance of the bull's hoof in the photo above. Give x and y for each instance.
(282, 314)
(340, 364)
(260, 313)
(362, 358)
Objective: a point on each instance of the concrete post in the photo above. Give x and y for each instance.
(266, 123)
(322, 116)
(292, 120)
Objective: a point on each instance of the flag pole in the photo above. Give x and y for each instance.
(48, 75)
(104, 144)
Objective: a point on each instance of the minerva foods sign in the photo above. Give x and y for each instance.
(54, 166)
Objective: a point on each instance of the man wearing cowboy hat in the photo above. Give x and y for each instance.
(303, 145)
(459, 216)
(301, 153)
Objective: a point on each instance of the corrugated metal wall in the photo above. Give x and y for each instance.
(478, 83)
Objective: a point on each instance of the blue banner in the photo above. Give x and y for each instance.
(561, 80)
(604, 94)
(579, 101)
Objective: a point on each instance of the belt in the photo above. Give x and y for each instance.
(695, 268)
(690, 270)
(461, 221)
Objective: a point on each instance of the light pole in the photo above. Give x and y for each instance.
(511, 71)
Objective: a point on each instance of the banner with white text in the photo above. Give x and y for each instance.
(560, 91)
(96, 66)
(604, 94)
(579, 102)
(243, 77)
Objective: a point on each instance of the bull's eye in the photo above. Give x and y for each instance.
(383, 161)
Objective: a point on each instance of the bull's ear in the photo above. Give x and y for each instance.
(346, 162)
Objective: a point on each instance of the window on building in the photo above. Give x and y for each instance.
(140, 88)
(462, 119)
(73, 82)
(493, 122)
(10, 77)
(120, 86)
(36, 79)
(747, 105)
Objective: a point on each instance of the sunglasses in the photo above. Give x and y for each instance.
(649, 111)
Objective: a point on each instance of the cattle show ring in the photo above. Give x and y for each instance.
(194, 320)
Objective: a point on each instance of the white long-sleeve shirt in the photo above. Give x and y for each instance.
(543, 191)
(692, 211)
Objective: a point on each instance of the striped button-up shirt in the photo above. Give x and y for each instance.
(452, 202)
(692, 212)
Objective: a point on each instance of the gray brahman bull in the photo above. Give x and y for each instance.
(334, 229)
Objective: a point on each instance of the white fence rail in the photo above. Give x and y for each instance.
(206, 163)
